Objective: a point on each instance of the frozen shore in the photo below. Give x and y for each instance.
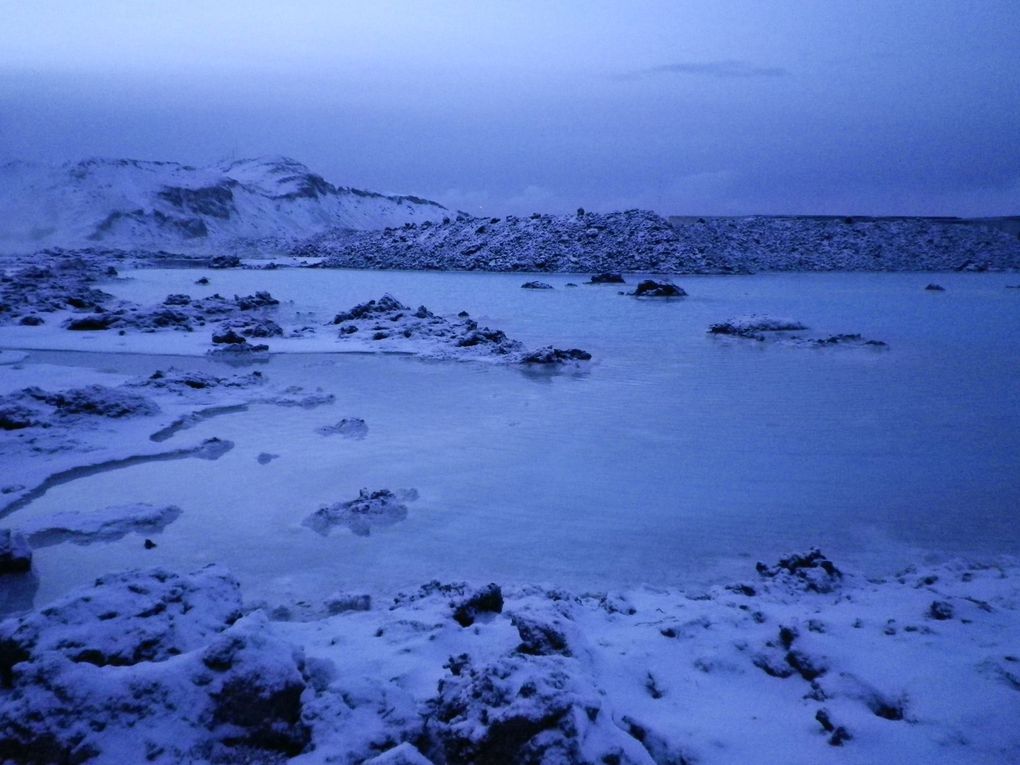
(798, 663)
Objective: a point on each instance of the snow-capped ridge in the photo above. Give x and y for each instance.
(151, 204)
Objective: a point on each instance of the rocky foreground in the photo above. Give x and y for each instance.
(641, 241)
(801, 663)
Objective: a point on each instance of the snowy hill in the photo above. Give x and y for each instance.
(166, 205)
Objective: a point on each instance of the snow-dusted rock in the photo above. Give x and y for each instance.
(391, 325)
(151, 666)
(349, 427)
(370, 509)
(126, 618)
(183, 381)
(35, 406)
(812, 572)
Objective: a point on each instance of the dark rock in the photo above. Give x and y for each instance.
(935, 288)
(538, 638)
(514, 710)
(369, 509)
(224, 261)
(91, 323)
(650, 288)
(752, 327)
(385, 304)
(16, 416)
(884, 708)
(258, 693)
(607, 278)
(93, 400)
(550, 355)
(489, 599)
(812, 572)
(265, 458)
(15, 554)
(149, 544)
(203, 280)
(805, 666)
(177, 299)
(228, 337)
(260, 299)
(31, 321)
(839, 736)
(940, 610)
(536, 286)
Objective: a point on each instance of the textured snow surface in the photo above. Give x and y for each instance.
(132, 204)
(799, 663)
(641, 241)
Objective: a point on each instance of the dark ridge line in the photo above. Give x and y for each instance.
(194, 418)
(210, 449)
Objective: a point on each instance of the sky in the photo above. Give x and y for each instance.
(686, 108)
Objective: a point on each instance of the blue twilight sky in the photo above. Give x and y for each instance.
(802, 106)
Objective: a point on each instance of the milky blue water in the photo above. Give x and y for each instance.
(673, 457)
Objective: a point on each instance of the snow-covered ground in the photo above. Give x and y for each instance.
(612, 500)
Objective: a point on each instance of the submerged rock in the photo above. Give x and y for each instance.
(536, 286)
(935, 288)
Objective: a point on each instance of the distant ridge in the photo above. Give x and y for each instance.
(138, 204)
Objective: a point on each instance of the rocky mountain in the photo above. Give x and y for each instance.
(639, 240)
(131, 204)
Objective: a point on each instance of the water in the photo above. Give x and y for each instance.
(675, 457)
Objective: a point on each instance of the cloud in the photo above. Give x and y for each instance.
(723, 70)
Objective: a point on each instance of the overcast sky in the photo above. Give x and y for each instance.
(707, 107)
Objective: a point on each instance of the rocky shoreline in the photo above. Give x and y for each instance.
(641, 241)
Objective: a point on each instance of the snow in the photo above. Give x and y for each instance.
(641, 676)
(133, 204)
